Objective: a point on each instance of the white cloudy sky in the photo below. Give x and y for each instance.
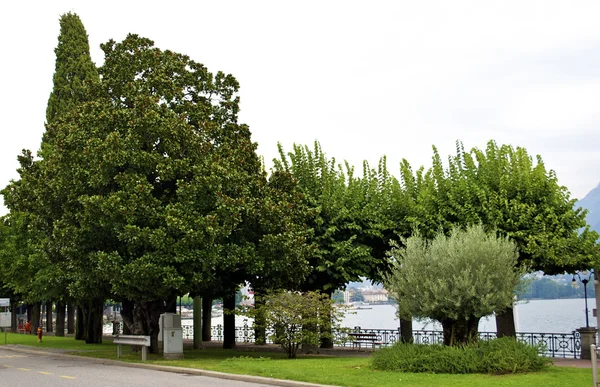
(365, 78)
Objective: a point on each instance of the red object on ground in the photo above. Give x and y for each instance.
(39, 334)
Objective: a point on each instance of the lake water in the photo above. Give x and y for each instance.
(547, 316)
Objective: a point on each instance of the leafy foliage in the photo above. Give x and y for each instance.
(297, 318)
(37, 267)
(505, 189)
(454, 279)
(75, 72)
(346, 221)
(499, 356)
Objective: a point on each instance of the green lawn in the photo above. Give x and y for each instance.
(55, 342)
(340, 371)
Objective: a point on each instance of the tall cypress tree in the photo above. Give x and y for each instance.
(74, 70)
(34, 199)
(74, 73)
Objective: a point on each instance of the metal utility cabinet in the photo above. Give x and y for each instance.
(171, 335)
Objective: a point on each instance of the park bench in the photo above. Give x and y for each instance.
(359, 338)
(135, 340)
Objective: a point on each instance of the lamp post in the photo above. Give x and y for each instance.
(584, 280)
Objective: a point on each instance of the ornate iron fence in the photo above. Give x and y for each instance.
(565, 345)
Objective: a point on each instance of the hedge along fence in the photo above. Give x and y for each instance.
(498, 356)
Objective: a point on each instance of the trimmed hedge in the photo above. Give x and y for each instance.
(498, 356)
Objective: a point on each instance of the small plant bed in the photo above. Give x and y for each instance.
(499, 356)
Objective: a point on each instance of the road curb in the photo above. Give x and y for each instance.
(178, 370)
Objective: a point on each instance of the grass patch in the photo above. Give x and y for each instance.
(333, 370)
(54, 342)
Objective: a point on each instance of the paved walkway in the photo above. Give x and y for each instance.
(575, 363)
(337, 351)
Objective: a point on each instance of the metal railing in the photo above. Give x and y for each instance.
(564, 345)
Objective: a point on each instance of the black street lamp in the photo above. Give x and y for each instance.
(584, 280)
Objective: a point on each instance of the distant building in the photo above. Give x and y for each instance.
(346, 296)
(376, 295)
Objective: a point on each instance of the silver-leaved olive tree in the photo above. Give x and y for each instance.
(455, 279)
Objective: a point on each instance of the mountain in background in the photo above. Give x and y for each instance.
(591, 202)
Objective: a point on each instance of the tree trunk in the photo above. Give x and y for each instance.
(206, 318)
(306, 348)
(458, 332)
(145, 316)
(36, 318)
(49, 327)
(171, 305)
(71, 318)
(197, 310)
(13, 317)
(92, 320)
(60, 319)
(260, 331)
(79, 324)
(327, 341)
(505, 324)
(127, 307)
(229, 321)
(406, 333)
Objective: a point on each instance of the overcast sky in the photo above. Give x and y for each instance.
(366, 79)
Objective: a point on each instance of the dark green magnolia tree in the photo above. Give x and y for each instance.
(10, 251)
(165, 180)
(282, 245)
(267, 249)
(454, 279)
(36, 271)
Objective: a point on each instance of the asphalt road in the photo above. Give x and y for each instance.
(26, 370)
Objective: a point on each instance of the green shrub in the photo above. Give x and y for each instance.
(499, 356)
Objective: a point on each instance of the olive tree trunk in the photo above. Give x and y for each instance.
(459, 332)
(406, 333)
(505, 324)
